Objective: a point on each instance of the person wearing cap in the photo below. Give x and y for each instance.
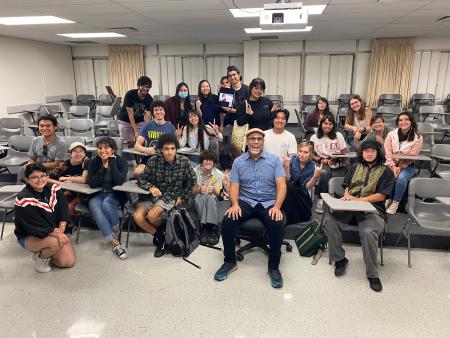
(135, 110)
(73, 170)
(257, 190)
(371, 181)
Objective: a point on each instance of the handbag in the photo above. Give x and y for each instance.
(310, 240)
(238, 135)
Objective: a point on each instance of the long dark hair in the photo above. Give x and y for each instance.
(209, 97)
(327, 108)
(200, 131)
(413, 131)
(332, 133)
(187, 102)
(360, 114)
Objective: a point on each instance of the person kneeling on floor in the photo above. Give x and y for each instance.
(41, 218)
(170, 179)
(209, 186)
(371, 181)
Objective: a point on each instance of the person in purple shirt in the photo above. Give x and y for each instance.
(257, 190)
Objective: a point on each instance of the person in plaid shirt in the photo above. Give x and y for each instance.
(170, 179)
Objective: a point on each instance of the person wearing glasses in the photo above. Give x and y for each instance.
(257, 190)
(41, 216)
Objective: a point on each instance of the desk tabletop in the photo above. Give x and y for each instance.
(82, 188)
(131, 186)
(133, 151)
(351, 154)
(12, 188)
(2, 147)
(337, 204)
(188, 151)
(418, 157)
(445, 200)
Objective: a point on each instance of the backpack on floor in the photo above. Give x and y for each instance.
(310, 240)
(182, 236)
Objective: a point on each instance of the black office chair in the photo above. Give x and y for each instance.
(254, 232)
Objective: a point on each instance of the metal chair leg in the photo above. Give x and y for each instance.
(79, 228)
(4, 221)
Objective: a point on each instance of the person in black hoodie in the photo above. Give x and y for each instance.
(40, 221)
(256, 111)
(105, 171)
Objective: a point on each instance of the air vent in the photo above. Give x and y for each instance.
(123, 30)
(445, 19)
(82, 42)
(264, 37)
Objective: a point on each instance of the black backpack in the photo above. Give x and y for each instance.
(182, 236)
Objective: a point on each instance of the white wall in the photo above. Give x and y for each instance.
(30, 71)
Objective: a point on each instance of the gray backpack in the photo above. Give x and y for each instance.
(182, 236)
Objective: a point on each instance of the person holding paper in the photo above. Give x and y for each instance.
(371, 181)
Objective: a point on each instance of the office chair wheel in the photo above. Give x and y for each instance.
(240, 257)
(289, 248)
(237, 241)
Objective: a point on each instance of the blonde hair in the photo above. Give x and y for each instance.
(310, 148)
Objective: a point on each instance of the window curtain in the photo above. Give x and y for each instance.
(391, 69)
(126, 65)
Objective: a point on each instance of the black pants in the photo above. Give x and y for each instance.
(275, 231)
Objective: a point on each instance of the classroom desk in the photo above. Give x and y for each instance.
(31, 112)
(81, 188)
(12, 188)
(445, 200)
(351, 154)
(337, 204)
(3, 148)
(131, 187)
(419, 157)
(134, 152)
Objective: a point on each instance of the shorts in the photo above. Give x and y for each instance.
(23, 242)
(159, 202)
(126, 132)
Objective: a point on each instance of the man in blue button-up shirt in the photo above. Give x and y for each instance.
(257, 190)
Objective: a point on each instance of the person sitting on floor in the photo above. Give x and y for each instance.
(209, 186)
(258, 189)
(170, 179)
(105, 171)
(40, 220)
(150, 133)
(73, 170)
(371, 181)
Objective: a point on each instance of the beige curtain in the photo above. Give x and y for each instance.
(391, 69)
(126, 65)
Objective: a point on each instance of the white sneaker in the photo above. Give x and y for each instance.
(41, 264)
(319, 207)
(392, 210)
(387, 203)
(120, 251)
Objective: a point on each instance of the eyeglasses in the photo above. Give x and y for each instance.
(35, 178)
(45, 150)
(255, 139)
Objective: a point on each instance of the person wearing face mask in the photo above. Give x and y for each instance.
(135, 110)
(368, 180)
(178, 106)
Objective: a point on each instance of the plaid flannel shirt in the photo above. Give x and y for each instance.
(174, 180)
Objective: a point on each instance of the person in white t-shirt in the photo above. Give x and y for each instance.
(278, 140)
(327, 142)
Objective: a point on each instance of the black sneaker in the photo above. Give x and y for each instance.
(160, 250)
(120, 251)
(203, 237)
(276, 280)
(213, 238)
(340, 266)
(224, 271)
(375, 284)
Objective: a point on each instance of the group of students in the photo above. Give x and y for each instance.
(271, 181)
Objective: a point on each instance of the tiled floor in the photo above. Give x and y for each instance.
(167, 297)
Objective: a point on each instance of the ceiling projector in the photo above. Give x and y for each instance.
(283, 15)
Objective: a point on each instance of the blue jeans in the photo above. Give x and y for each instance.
(103, 207)
(401, 182)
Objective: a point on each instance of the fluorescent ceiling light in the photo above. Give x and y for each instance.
(93, 35)
(32, 20)
(262, 31)
(256, 12)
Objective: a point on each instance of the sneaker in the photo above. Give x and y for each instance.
(334, 166)
(387, 203)
(213, 238)
(319, 207)
(41, 264)
(392, 210)
(276, 280)
(340, 266)
(120, 251)
(160, 249)
(224, 271)
(375, 284)
(203, 237)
